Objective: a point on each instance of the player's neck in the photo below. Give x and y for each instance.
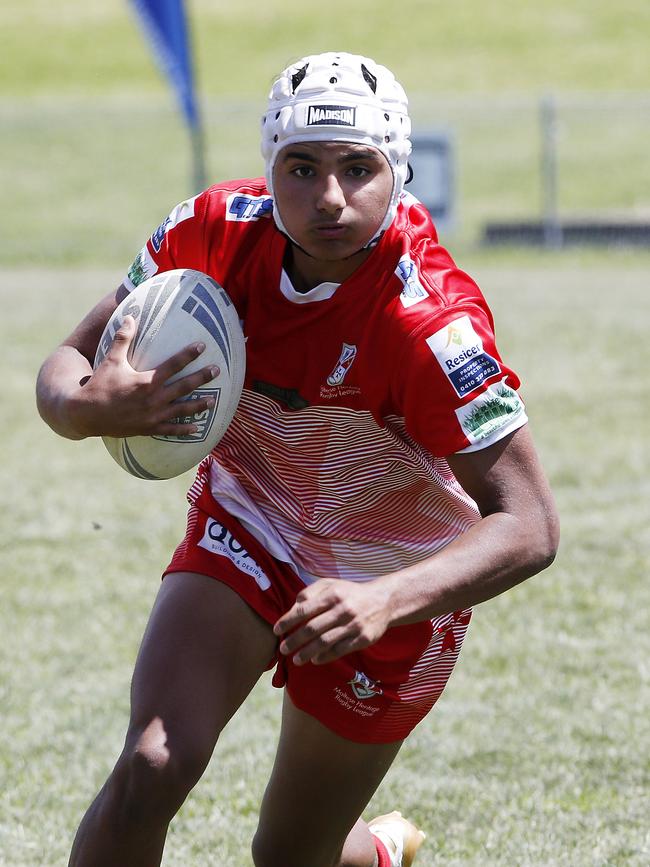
(306, 272)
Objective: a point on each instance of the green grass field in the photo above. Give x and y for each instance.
(534, 755)
(537, 753)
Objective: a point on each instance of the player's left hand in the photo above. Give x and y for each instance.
(331, 618)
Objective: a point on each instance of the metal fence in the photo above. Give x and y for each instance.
(84, 180)
(548, 169)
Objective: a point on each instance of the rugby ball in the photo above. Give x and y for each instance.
(172, 310)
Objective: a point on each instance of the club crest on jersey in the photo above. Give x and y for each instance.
(413, 291)
(346, 359)
(363, 687)
(331, 115)
(459, 351)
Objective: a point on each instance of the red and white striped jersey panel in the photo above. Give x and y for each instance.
(349, 498)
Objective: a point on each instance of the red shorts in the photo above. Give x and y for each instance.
(377, 695)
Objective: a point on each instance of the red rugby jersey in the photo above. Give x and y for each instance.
(354, 393)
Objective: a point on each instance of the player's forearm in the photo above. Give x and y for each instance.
(57, 387)
(498, 552)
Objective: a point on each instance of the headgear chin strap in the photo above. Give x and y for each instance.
(341, 98)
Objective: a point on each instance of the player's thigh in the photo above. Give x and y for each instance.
(319, 786)
(202, 652)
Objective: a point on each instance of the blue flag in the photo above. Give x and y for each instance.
(165, 25)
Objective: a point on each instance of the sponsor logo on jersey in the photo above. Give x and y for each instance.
(346, 359)
(142, 268)
(459, 352)
(159, 235)
(496, 408)
(413, 291)
(363, 687)
(288, 396)
(181, 212)
(248, 208)
(202, 420)
(331, 115)
(219, 540)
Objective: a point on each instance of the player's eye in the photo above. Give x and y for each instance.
(302, 171)
(359, 171)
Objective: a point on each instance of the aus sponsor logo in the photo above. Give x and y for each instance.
(220, 541)
(202, 420)
(413, 291)
(459, 352)
(343, 365)
(331, 115)
(248, 208)
(493, 410)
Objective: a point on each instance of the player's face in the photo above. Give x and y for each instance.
(332, 196)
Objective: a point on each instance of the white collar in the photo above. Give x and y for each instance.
(319, 293)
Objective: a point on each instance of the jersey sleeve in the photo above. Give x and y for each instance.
(457, 395)
(176, 243)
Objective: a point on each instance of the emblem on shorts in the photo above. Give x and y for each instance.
(346, 358)
(363, 687)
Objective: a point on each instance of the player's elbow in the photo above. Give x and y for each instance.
(544, 539)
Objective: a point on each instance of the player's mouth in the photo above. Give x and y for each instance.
(330, 230)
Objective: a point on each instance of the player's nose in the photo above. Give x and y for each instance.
(331, 198)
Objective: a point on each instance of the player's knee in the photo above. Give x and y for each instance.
(155, 774)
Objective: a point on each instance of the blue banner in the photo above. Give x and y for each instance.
(165, 24)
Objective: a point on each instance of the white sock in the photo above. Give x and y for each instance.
(392, 840)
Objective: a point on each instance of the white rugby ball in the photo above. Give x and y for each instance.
(172, 310)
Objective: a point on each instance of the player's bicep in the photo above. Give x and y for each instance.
(506, 477)
(85, 337)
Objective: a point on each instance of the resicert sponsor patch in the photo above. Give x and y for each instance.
(459, 351)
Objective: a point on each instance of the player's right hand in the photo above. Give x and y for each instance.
(117, 400)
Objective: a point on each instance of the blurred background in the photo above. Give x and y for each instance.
(537, 753)
(546, 108)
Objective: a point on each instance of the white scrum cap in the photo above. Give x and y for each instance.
(339, 97)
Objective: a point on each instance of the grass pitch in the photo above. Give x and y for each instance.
(534, 755)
